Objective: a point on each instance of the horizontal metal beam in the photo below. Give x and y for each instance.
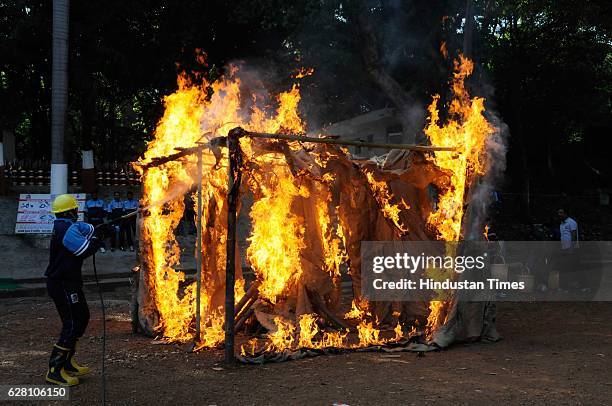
(221, 141)
(356, 143)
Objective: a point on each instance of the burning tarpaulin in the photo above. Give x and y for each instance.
(312, 205)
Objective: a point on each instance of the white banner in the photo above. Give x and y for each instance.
(34, 213)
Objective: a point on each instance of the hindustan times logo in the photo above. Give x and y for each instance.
(411, 263)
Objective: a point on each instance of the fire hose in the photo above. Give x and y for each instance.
(129, 215)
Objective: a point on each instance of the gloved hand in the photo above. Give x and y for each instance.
(103, 231)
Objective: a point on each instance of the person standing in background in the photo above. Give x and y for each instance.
(115, 210)
(568, 230)
(568, 235)
(95, 213)
(128, 226)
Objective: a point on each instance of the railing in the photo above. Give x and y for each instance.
(28, 173)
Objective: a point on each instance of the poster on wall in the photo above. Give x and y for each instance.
(34, 213)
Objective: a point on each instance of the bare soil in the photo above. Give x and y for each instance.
(552, 353)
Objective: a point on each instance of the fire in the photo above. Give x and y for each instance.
(443, 49)
(286, 119)
(190, 113)
(212, 331)
(399, 334)
(384, 197)
(308, 330)
(303, 72)
(239, 290)
(368, 334)
(356, 312)
(334, 339)
(467, 131)
(180, 125)
(282, 339)
(252, 350)
(278, 235)
(333, 246)
(485, 233)
(277, 239)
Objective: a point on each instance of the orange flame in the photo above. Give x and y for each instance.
(282, 339)
(303, 72)
(383, 197)
(443, 49)
(277, 235)
(308, 330)
(368, 334)
(356, 311)
(189, 113)
(466, 130)
(399, 334)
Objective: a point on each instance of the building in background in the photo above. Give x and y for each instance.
(378, 126)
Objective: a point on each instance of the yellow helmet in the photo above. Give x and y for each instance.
(64, 203)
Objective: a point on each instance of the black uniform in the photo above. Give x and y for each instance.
(71, 243)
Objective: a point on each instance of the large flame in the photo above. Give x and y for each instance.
(466, 130)
(383, 196)
(274, 243)
(277, 236)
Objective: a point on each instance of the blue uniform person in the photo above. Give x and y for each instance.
(115, 210)
(128, 226)
(95, 212)
(71, 243)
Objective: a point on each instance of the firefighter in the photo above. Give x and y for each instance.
(71, 242)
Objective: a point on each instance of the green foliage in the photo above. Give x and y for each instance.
(544, 65)
(550, 64)
(124, 57)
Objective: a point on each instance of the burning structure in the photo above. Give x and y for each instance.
(310, 204)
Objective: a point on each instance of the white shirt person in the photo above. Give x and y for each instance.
(568, 231)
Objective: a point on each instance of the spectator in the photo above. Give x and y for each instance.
(568, 230)
(568, 235)
(115, 210)
(95, 214)
(128, 227)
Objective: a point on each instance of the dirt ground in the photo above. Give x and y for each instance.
(552, 353)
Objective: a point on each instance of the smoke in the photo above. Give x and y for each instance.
(176, 190)
(483, 193)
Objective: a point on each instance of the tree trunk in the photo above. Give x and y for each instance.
(59, 96)
(89, 114)
(468, 29)
(516, 97)
(409, 112)
(3, 182)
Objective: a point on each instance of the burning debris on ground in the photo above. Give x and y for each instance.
(312, 205)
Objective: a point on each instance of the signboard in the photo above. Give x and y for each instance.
(34, 213)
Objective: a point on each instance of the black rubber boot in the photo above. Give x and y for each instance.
(72, 367)
(56, 373)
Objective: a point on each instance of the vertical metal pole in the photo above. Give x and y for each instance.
(138, 276)
(230, 260)
(198, 255)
